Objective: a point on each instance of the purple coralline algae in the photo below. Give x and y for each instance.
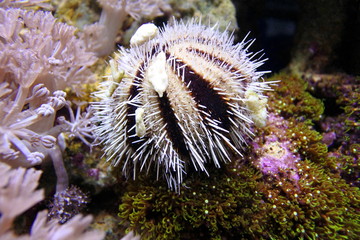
(275, 154)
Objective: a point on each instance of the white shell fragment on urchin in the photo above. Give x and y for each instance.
(195, 113)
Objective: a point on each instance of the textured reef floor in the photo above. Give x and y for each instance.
(287, 186)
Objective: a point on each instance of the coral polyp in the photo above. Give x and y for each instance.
(188, 96)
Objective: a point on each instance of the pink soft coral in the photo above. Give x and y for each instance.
(100, 36)
(37, 49)
(18, 188)
(39, 58)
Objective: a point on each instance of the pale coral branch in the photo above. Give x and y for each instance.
(17, 193)
(75, 228)
(62, 179)
(100, 37)
(26, 3)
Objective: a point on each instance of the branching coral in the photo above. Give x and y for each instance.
(27, 130)
(40, 58)
(76, 228)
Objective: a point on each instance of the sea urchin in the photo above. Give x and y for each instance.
(186, 97)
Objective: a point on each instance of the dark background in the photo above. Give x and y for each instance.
(282, 26)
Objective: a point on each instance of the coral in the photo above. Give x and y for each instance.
(50, 53)
(21, 114)
(273, 152)
(292, 100)
(342, 94)
(208, 208)
(100, 37)
(297, 178)
(307, 141)
(27, 129)
(347, 164)
(131, 236)
(340, 127)
(22, 4)
(40, 58)
(76, 228)
(242, 204)
(18, 188)
(321, 205)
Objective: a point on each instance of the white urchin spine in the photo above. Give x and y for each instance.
(187, 97)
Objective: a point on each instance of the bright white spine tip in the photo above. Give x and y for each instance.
(186, 99)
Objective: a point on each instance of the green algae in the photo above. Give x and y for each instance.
(291, 99)
(239, 202)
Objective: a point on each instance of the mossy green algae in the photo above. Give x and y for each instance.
(239, 202)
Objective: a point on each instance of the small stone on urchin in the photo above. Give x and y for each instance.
(144, 33)
(140, 126)
(157, 74)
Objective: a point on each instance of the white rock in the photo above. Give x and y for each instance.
(139, 119)
(157, 74)
(257, 106)
(144, 33)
